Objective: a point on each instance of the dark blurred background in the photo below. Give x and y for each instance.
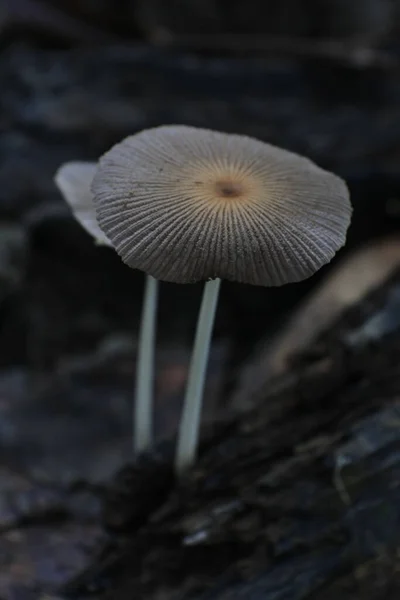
(63, 23)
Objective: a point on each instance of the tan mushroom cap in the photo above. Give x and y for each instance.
(185, 204)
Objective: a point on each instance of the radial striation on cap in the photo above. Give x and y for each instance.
(185, 204)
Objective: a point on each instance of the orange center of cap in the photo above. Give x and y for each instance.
(226, 188)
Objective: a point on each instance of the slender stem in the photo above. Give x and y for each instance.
(143, 409)
(189, 427)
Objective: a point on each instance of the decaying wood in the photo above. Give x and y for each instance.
(361, 272)
(291, 499)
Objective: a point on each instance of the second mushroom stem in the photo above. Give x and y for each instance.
(189, 426)
(143, 399)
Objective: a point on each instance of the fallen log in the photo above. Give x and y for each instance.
(296, 498)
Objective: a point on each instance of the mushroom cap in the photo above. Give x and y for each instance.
(186, 204)
(74, 179)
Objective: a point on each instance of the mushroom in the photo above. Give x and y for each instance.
(185, 204)
(74, 180)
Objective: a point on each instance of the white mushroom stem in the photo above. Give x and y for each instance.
(189, 427)
(143, 408)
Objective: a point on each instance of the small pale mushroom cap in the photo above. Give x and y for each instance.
(185, 204)
(74, 179)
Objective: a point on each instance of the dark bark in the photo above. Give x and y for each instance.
(293, 499)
